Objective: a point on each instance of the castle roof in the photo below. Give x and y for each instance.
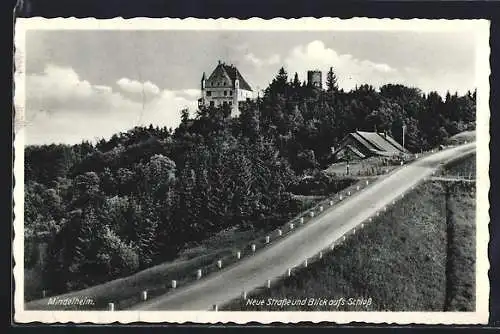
(224, 76)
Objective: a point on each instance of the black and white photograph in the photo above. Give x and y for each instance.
(251, 170)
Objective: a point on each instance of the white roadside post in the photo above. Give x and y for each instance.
(44, 293)
(219, 264)
(320, 255)
(244, 295)
(321, 208)
(289, 272)
(280, 233)
(311, 214)
(353, 231)
(357, 187)
(331, 203)
(111, 306)
(332, 246)
(305, 263)
(302, 220)
(198, 274)
(367, 182)
(268, 283)
(174, 284)
(253, 248)
(267, 239)
(238, 255)
(215, 308)
(291, 226)
(144, 295)
(340, 197)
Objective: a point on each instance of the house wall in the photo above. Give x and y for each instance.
(217, 96)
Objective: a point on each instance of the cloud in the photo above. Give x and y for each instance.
(254, 60)
(136, 87)
(193, 93)
(61, 107)
(350, 71)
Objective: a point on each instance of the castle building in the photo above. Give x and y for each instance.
(314, 79)
(225, 86)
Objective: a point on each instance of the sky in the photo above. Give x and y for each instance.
(91, 84)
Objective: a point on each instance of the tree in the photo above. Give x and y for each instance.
(279, 84)
(296, 82)
(331, 81)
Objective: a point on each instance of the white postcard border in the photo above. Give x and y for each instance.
(480, 316)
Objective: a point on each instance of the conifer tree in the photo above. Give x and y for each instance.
(331, 81)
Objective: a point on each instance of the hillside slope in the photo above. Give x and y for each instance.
(418, 256)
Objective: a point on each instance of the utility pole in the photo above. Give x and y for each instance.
(403, 155)
(404, 128)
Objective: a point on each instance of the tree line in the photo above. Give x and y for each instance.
(110, 208)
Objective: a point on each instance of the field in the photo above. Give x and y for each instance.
(418, 256)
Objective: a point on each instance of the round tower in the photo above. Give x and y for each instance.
(235, 108)
(202, 88)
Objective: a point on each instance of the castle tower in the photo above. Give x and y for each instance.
(235, 108)
(314, 79)
(202, 100)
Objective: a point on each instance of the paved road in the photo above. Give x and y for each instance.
(273, 261)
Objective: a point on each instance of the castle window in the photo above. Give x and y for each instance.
(212, 103)
(225, 93)
(231, 93)
(230, 103)
(209, 93)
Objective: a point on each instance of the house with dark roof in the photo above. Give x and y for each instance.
(361, 145)
(225, 86)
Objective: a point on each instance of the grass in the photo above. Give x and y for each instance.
(417, 256)
(462, 167)
(461, 248)
(125, 290)
(459, 138)
(398, 261)
(367, 167)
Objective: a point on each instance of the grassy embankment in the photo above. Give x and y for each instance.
(417, 256)
(461, 137)
(125, 292)
(370, 167)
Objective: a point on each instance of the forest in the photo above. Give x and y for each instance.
(111, 208)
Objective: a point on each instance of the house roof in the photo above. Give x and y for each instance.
(382, 142)
(376, 143)
(356, 151)
(224, 76)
